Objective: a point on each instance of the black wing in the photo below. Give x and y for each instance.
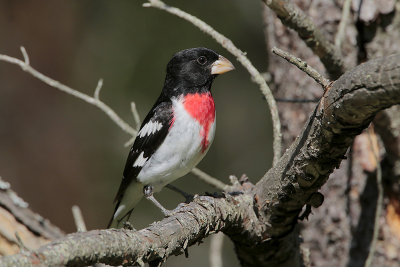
(160, 114)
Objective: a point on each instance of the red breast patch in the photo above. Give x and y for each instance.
(201, 107)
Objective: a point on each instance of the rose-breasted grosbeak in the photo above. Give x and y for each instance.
(177, 132)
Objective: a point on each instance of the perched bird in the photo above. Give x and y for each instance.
(176, 133)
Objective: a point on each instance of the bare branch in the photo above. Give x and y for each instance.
(291, 100)
(25, 55)
(342, 25)
(98, 88)
(302, 65)
(347, 107)
(18, 208)
(78, 218)
(56, 84)
(294, 18)
(241, 57)
(130, 141)
(189, 224)
(208, 179)
(136, 116)
(341, 114)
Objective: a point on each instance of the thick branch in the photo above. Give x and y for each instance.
(189, 225)
(344, 111)
(38, 225)
(294, 18)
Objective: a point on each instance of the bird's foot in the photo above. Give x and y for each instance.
(188, 197)
(128, 226)
(148, 194)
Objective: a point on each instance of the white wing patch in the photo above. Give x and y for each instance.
(150, 128)
(140, 161)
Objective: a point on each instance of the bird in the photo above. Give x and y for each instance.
(176, 133)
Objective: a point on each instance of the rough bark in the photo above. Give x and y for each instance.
(371, 31)
(190, 224)
(262, 220)
(17, 219)
(305, 167)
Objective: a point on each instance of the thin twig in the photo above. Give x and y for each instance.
(130, 141)
(209, 179)
(379, 202)
(56, 84)
(136, 116)
(25, 55)
(98, 88)
(342, 25)
(290, 100)
(91, 100)
(78, 218)
(241, 57)
(216, 245)
(302, 65)
(269, 36)
(294, 18)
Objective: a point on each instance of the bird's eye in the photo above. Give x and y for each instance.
(202, 60)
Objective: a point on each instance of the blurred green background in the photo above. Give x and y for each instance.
(57, 151)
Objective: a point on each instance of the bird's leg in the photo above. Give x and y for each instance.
(148, 193)
(127, 225)
(188, 197)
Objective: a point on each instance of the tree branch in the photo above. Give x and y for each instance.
(16, 217)
(25, 65)
(78, 218)
(296, 19)
(293, 100)
(302, 65)
(342, 25)
(210, 180)
(262, 220)
(188, 225)
(344, 111)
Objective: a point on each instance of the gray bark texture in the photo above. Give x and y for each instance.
(262, 219)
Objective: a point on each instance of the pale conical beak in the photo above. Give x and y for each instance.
(222, 65)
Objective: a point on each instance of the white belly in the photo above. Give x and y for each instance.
(179, 153)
